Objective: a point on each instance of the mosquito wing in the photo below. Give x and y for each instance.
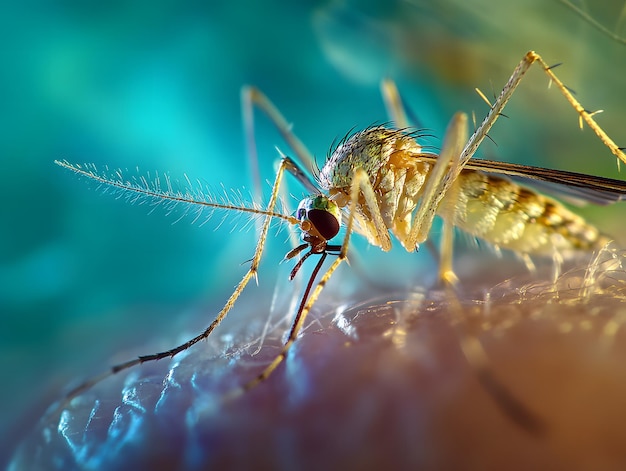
(578, 186)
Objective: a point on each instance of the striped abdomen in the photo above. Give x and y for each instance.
(513, 217)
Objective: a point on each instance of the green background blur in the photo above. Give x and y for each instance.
(156, 85)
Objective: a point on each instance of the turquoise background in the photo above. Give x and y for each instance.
(85, 276)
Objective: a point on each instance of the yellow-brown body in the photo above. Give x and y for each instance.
(489, 207)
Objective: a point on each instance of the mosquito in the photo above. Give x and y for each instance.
(383, 183)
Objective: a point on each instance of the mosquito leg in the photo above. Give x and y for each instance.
(440, 185)
(446, 272)
(440, 179)
(251, 96)
(397, 112)
(582, 112)
(393, 103)
(247, 116)
(307, 304)
(529, 59)
(360, 180)
(473, 351)
(302, 167)
(447, 212)
(251, 273)
(298, 322)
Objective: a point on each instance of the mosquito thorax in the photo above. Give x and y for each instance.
(320, 219)
(370, 149)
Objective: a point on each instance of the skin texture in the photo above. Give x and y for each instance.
(383, 382)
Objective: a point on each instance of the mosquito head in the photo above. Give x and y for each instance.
(320, 219)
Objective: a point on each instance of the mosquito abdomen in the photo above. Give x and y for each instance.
(513, 217)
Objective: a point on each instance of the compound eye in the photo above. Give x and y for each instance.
(324, 222)
(319, 217)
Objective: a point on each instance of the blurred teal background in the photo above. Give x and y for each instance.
(156, 85)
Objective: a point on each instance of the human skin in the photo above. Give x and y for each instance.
(382, 383)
